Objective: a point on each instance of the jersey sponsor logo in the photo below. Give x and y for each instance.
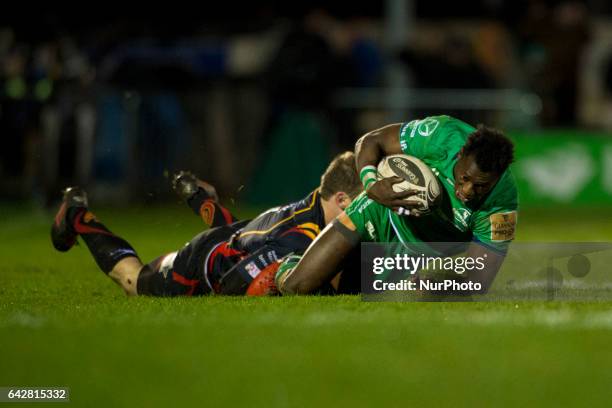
(503, 226)
(263, 260)
(252, 269)
(365, 205)
(462, 216)
(360, 208)
(426, 127)
(272, 256)
(371, 230)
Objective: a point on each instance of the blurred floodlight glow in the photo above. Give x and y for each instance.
(530, 104)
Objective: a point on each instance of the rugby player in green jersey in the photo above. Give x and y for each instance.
(479, 206)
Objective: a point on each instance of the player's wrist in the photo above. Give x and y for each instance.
(368, 175)
(286, 268)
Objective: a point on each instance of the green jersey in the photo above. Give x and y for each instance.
(437, 141)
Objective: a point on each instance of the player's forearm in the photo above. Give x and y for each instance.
(299, 286)
(368, 151)
(318, 265)
(372, 146)
(306, 277)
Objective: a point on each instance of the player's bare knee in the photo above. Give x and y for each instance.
(125, 274)
(126, 281)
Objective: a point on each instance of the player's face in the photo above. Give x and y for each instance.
(472, 184)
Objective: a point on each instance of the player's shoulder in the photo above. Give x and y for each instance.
(308, 209)
(494, 223)
(431, 125)
(504, 196)
(285, 212)
(362, 203)
(309, 202)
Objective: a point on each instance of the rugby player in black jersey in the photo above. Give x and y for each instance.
(232, 258)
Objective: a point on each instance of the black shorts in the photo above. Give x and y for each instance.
(194, 269)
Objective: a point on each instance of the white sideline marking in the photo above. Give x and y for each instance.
(23, 319)
(558, 319)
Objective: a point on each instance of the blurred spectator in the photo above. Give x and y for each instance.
(596, 78)
(452, 65)
(124, 102)
(301, 78)
(21, 96)
(305, 70)
(494, 48)
(553, 41)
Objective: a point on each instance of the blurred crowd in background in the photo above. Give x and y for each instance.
(246, 94)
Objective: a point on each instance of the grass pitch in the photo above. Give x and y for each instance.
(63, 323)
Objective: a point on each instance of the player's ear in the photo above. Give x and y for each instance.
(342, 200)
(460, 154)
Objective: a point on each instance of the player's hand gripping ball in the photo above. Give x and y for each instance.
(416, 187)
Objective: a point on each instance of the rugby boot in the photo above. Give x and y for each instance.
(193, 190)
(63, 234)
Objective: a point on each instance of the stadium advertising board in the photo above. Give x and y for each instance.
(563, 167)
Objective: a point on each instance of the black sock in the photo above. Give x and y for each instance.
(106, 247)
(152, 283)
(213, 214)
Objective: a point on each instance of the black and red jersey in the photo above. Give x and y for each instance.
(277, 232)
(293, 226)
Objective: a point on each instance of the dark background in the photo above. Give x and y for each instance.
(116, 98)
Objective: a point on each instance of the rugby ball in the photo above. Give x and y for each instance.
(417, 176)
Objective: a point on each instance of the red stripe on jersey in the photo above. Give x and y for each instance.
(224, 250)
(187, 282)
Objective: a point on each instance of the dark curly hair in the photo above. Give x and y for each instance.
(492, 151)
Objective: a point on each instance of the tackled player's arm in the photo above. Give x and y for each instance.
(322, 259)
(493, 262)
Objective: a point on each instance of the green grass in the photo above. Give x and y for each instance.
(63, 323)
